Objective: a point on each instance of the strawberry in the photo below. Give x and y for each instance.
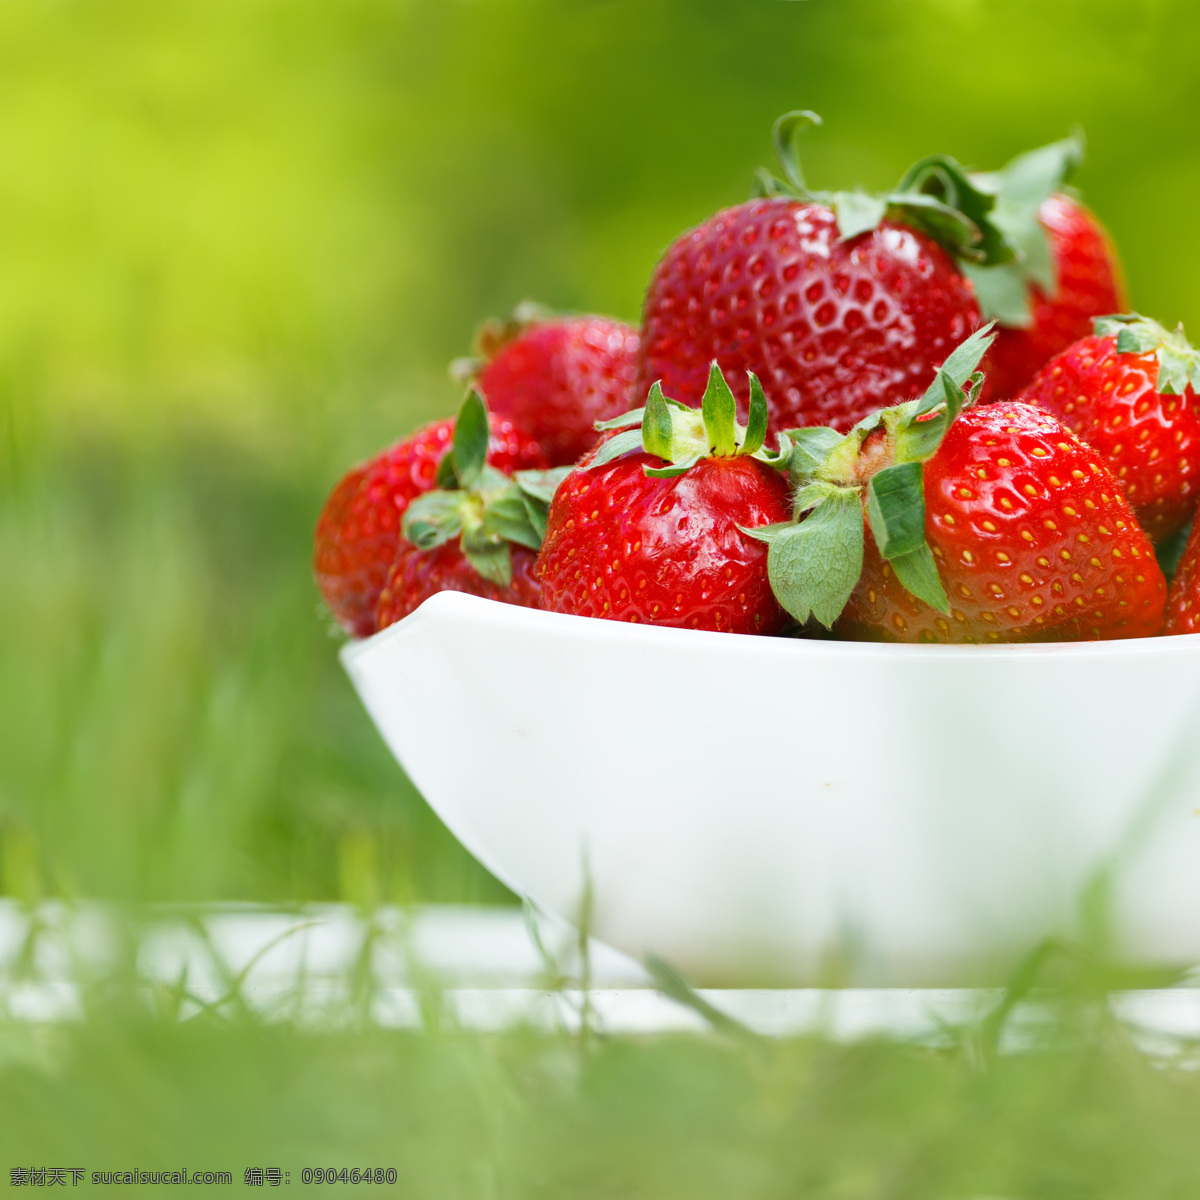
(479, 532)
(649, 526)
(1130, 392)
(417, 574)
(1183, 601)
(991, 524)
(1086, 285)
(358, 531)
(556, 377)
(1064, 272)
(842, 303)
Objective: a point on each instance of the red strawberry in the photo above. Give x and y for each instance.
(1183, 602)
(417, 574)
(358, 531)
(995, 525)
(556, 377)
(479, 533)
(836, 328)
(844, 303)
(1129, 392)
(1085, 285)
(631, 538)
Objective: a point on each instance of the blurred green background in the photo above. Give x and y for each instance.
(240, 240)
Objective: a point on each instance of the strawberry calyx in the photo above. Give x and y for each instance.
(682, 436)
(1019, 189)
(1178, 360)
(815, 560)
(480, 507)
(988, 222)
(935, 195)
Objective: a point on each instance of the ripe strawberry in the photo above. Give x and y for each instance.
(1082, 284)
(836, 327)
(1183, 601)
(479, 533)
(556, 377)
(1129, 392)
(631, 538)
(358, 531)
(417, 574)
(998, 524)
(845, 302)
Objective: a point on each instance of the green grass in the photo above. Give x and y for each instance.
(523, 1115)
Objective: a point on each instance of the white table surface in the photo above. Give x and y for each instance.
(481, 966)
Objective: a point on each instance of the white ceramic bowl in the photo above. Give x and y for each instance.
(800, 811)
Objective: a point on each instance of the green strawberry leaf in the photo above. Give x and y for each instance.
(508, 517)
(719, 410)
(624, 421)
(1131, 341)
(917, 571)
(974, 386)
(470, 443)
(813, 566)
(942, 179)
(919, 437)
(536, 492)
(539, 518)
(490, 559)
(1174, 369)
(1002, 293)
(434, 518)
(1114, 324)
(917, 434)
(1035, 175)
(628, 441)
(1020, 188)
(756, 427)
(786, 135)
(768, 533)
(857, 212)
(541, 485)
(960, 364)
(896, 508)
(445, 477)
(658, 430)
(810, 449)
(684, 464)
(767, 185)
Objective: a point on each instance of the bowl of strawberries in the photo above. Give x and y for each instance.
(841, 624)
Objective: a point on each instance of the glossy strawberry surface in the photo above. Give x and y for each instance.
(415, 575)
(358, 531)
(1088, 286)
(834, 329)
(1183, 601)
(557, 378)
(1032, 538)
(627, 547)
(1150, 441)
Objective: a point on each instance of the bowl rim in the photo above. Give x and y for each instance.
(478, 610)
